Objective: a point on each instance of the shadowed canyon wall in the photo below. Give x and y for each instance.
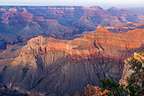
(58, 66)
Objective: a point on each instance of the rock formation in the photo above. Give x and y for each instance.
(66, 66)
(61, 22)
(57, 50)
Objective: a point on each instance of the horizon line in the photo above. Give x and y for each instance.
(67, 5)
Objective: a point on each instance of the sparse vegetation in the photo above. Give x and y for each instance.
(134, 85)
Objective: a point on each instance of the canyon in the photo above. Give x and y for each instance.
(59, 50)
(63, 67)
(20, 23)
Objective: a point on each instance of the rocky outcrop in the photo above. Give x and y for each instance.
(66, 66)
(131, 63)
(95, 91)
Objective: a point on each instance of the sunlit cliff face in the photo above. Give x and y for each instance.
(68, 65)
(89, 44)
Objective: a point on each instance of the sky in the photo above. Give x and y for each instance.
(103, 3)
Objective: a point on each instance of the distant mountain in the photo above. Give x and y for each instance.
(18, 24)
(124, 14)
(138, 11)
